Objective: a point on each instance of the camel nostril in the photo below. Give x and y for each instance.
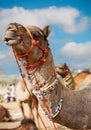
(6, 39)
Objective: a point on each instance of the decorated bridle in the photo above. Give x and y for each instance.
(33, 43)
(67, 78)
(33, 66)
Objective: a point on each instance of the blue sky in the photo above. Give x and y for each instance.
(70, 22)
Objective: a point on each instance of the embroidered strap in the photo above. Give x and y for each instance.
(44, 83)
(57, 110)
(68, 81)
(45, 90)
(59, 107)
(48, 90)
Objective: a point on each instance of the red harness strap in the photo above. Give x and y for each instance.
(34, 43)
(20, 70)
(32, 66)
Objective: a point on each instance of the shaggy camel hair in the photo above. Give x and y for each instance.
(37, 60)
(77, 82)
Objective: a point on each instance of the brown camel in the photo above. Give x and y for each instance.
(4, 114)
(26, 124)
(62, 105)
(65, 73)
(77, 82)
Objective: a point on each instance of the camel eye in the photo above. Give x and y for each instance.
(35, 34)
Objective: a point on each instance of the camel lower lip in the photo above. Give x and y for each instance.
(10, 42)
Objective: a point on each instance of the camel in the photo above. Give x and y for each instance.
(81, 79)
(26, 124)
(73, 82)
(65, 73)
(25, 103)
(63, 106)
(66, 78)
(22, 100)
(4, 114)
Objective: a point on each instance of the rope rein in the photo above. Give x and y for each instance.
(31, 66)
(34, 43)
(20, 70)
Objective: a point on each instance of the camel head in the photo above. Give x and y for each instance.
(62, 70)
(31, 41)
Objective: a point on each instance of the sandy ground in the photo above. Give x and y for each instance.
(17, 116)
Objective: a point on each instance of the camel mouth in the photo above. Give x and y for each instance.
(10, 38)
(9, 41)
(6, 39)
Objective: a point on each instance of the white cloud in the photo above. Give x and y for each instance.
(74, 50)
(84, 64)
(69, 19)
(77, 55)
(77, 27)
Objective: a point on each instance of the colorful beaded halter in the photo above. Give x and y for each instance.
(68, 81)
(45, 90)
(42, 84)
(57, 110)
(48, 90)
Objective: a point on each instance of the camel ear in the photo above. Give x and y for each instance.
(46, 31)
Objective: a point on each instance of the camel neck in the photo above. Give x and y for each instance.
(42, 73)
